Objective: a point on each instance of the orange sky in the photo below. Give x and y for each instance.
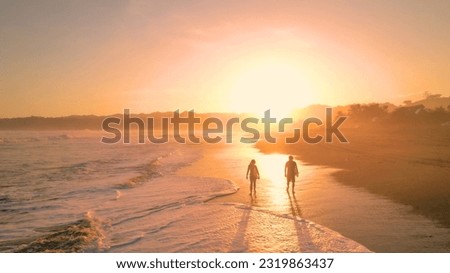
(79, 57)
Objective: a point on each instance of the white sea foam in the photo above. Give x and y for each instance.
(217, 227)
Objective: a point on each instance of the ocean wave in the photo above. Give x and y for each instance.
(148, 172)
(5, 199)
(84, 235)
(166, 164)
(147, 210)
(18, 140)
(59, 137)
(75, 171)
(32, 137)
(166, 194)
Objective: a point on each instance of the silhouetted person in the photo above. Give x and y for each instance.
(290, 172)
(254, 174)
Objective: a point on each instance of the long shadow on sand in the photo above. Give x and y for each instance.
(305, 241)
(240, 243)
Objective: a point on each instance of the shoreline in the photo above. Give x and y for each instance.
(411, 168)
(271, 199)
(319, 199)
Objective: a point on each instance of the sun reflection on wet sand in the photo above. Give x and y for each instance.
(318, 197)
(272, 195)
(272, 183)
(271, 191)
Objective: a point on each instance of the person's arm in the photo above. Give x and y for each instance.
(285, 169)
(248, 170)
(296, 170)
(257, 171)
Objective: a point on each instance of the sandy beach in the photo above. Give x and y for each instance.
(370, 219)
(408, 166)
(282, 208)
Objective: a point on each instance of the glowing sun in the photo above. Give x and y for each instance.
(278, 85)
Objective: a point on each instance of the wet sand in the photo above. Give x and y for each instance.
(226, 161)
(408, 166)
(374, 221)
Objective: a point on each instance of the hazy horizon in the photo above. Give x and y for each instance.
(445, 103)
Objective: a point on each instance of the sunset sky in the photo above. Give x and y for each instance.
(98, 57)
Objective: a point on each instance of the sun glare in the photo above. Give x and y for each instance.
(272, 168)
(278, 85)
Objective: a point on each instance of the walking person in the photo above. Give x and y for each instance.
(290, 172)
(252, 170)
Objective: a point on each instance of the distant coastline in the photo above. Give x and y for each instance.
(86, 122)
(432, 110)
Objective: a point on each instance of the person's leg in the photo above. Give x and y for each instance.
(293, 185)
(252, 184)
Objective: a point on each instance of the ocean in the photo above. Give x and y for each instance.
(67, 192)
